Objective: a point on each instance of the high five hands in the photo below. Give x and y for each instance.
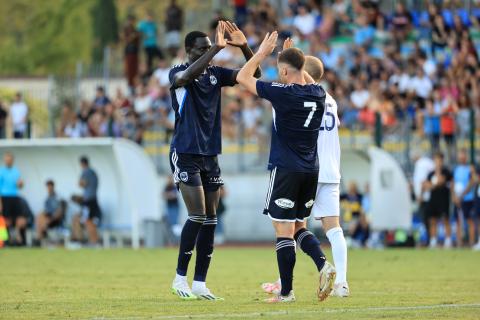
(268, 44)
(237, 38)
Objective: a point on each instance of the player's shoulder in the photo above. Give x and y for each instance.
(329, 99)
(179, 67)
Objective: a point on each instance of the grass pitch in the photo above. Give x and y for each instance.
(127, 284)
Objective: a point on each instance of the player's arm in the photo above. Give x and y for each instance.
(238, 39)
(471, 183)
(246, 74)
(188, 75)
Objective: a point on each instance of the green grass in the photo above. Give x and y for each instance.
(127, 284)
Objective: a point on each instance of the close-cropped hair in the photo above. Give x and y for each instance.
(294, 57)
(192, 36)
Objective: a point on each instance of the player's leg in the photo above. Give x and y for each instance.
(281, 207)
(77, 233)
(327, 209)
(286, 258)
(41, 224)
(448, 230)
(187, 176)
(205, 244)
(468, 209)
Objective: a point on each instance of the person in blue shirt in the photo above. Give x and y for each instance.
(149, 31)
(298, 106)
(464, 179)
(11, 206)
(196, 91)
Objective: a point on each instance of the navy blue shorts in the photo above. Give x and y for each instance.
(467, 209)
(196, 170)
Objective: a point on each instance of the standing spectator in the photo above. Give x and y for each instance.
(477, 205)
(438, 184)
(423, 166)
(162, 73)
(439, 35)
(170, 195)
(3, 121)
(448, 127)
(143, 101)
(173, 26)
(148, 29)
(91, 215)
(11, 205)
(52, 215)
(465, 179)
(431, 126)
(19, 113)
(101, 99)
(131, 38)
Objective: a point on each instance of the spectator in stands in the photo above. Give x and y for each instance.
(439, 35)
(3, 120)
(364, 33)
(431, 125)
(148, 29)
(438, 184)
(52, 215)
(477, 205)
(464, 182)
(110, 126)
(101, 99)
(173, 27)
(143, 101)
(448, 127)
(304, 21)
(401, 23)
(161, 73)
(19, 114)
(131, 38)
(11, 205)
(90, 215)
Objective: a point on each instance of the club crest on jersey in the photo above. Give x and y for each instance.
(309, 204)
(184, 176)
(213, 80)
(284, 203)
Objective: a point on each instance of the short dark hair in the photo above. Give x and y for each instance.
(84, 160)
(293, 57)
(438, 154)
(192, 36)
(50, 182)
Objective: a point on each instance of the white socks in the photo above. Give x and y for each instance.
(198, 286)
(339, 252)
(179, 278)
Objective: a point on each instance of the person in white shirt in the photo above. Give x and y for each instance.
(359, 95)
(304, 21)
(327, 201)
(19, 114)
(421, 84)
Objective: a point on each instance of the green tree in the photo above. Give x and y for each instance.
(105, 27)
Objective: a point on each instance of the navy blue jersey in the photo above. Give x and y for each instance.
(297, 117)
(197, 111)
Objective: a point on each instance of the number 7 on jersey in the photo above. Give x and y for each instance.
(312, 105)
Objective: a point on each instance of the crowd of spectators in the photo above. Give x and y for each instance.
(411, 67)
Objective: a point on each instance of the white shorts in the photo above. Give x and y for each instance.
(327, 200)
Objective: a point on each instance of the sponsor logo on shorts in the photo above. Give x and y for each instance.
(309, 204)
(184, 176)
(213, 80)
(216, 180)
(284, 203)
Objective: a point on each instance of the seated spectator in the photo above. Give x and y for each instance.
(101, 99)
(110, 127)
(90, 215)
(401, 22)
(143, 101)
(304, 21)
(364, 33)
(52, 215)
(360, 95)
(11, 205)
(161, 73)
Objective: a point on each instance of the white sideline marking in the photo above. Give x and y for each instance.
(284, 312)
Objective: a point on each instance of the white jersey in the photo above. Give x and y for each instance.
(329, 144)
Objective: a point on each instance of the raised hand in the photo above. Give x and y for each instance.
(268, 44)
(220, 35)
(288, 43)
(237, 37)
